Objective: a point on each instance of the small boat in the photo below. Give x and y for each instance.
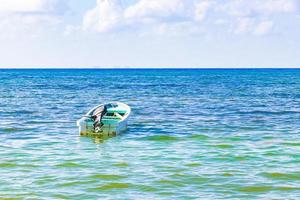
(105, 120)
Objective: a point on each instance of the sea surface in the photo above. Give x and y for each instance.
(193, 134)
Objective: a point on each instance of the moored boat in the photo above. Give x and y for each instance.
(106, 119)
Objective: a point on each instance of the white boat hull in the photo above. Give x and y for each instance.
(110, 127)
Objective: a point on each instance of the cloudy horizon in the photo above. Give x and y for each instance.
(149, 33)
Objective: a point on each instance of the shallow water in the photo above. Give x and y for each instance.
(193, 134)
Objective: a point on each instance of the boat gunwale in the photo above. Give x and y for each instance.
(124, 117)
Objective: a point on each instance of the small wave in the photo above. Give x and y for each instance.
(260, 112)
(12, 130)
(8, 165)
(69, 164)
(223, 146)
(262, 189)
(227, 174)
(255, 189)
(146, 188)
(48, 122)
(161, 138)
(199, 137)
(193, 164)
(282, 176)
(112, 186)
(107, 176)
(234, 138)
(74, 183)
(293, 144)
(172, 183)
(189, 179)
(122, 164)
(12, 165)
(18, 112)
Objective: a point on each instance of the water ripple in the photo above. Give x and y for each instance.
(193, 134)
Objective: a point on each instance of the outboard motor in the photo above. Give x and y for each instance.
(97, 117)
(92, 122)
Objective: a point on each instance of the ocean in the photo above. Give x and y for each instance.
(193, 134)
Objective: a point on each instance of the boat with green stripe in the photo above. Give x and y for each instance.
(106, 119)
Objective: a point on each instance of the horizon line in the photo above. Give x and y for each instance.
(141, 68)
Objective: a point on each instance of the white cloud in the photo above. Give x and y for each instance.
(160, 9)
(276, 6)
(109, 15)
(244, 25)
(104, 17)
(31, 6)
(253, 26)
(255, 16)
(202, 9)
(242, 8)
(21, 6)
(263, 28)
(29, 17)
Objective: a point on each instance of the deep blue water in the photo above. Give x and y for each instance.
(193, 134)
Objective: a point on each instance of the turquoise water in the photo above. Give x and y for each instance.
(193, 134)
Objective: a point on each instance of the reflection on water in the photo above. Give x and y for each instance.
(193, 134)
(98, 139)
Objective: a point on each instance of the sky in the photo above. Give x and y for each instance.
(149, 33)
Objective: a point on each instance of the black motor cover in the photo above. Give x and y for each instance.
(98, 114)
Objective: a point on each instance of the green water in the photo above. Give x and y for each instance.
(160, 167)
(196, 134)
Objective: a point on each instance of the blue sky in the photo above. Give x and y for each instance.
(150, 33)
